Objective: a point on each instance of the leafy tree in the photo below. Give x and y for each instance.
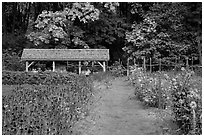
(164, 32)
(177, 29)
(59, 28)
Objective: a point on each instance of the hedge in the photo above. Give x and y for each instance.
(40, 78)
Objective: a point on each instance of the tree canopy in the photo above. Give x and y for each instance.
(166, 30)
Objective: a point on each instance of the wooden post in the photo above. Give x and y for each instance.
(104, 66)
(128, 71)
(150, 64)
(160, 92)
(107, 65)
(67, 66)
(26, 66)
(79, 67)
(192, 64)
(134, 62)
(144, 63)
(192, 61)
(92, 63)
(175, 63)
(160, 64)
(187, 65)
(53, 66)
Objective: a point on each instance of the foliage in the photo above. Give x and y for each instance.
(150, 89)
(58, 27)
(177, 91)
(141, 36)
(186, 97)
(101, 76)
(117, 70)
(163, 32)
(178, 27)
(40, 78)
(45, 109)
(12, 61)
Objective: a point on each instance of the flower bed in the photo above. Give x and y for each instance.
(149, 89)
(179, 91)
(46, 109)
(187, 102)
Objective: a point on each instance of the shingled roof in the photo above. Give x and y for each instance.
(65, 54)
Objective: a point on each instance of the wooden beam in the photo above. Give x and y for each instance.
(79, 67)
(100, 64)
(53, 66)
(104, 66)
(26, 66)
(30, 64)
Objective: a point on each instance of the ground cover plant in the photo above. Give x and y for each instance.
(178, 91)
(45, 109)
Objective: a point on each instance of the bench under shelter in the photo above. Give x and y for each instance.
(100, 56)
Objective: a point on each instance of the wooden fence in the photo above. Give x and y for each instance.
(149, 65)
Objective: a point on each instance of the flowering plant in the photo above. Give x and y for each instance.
(187, 102)
(181, 92)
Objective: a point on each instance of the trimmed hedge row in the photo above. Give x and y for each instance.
(40, 78)
(45, 109)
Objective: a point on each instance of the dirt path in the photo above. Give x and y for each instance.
(118, 113)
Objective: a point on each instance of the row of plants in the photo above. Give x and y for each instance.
(43, 78)
(46, 109)
(178, 91)
(117, 69)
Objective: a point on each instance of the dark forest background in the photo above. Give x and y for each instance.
(167, 30)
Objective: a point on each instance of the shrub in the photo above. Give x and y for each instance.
(12, 61)
(43, 78)
(45, 109)
(117, 70)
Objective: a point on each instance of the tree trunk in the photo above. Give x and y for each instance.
(14, 8)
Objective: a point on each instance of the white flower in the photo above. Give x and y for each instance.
(146, 99)
(193, 105)
(166, 76)
(173, 79)
(182, 68)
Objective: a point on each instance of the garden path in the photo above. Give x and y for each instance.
(117, 112)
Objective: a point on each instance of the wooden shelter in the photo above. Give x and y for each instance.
(97, 55)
